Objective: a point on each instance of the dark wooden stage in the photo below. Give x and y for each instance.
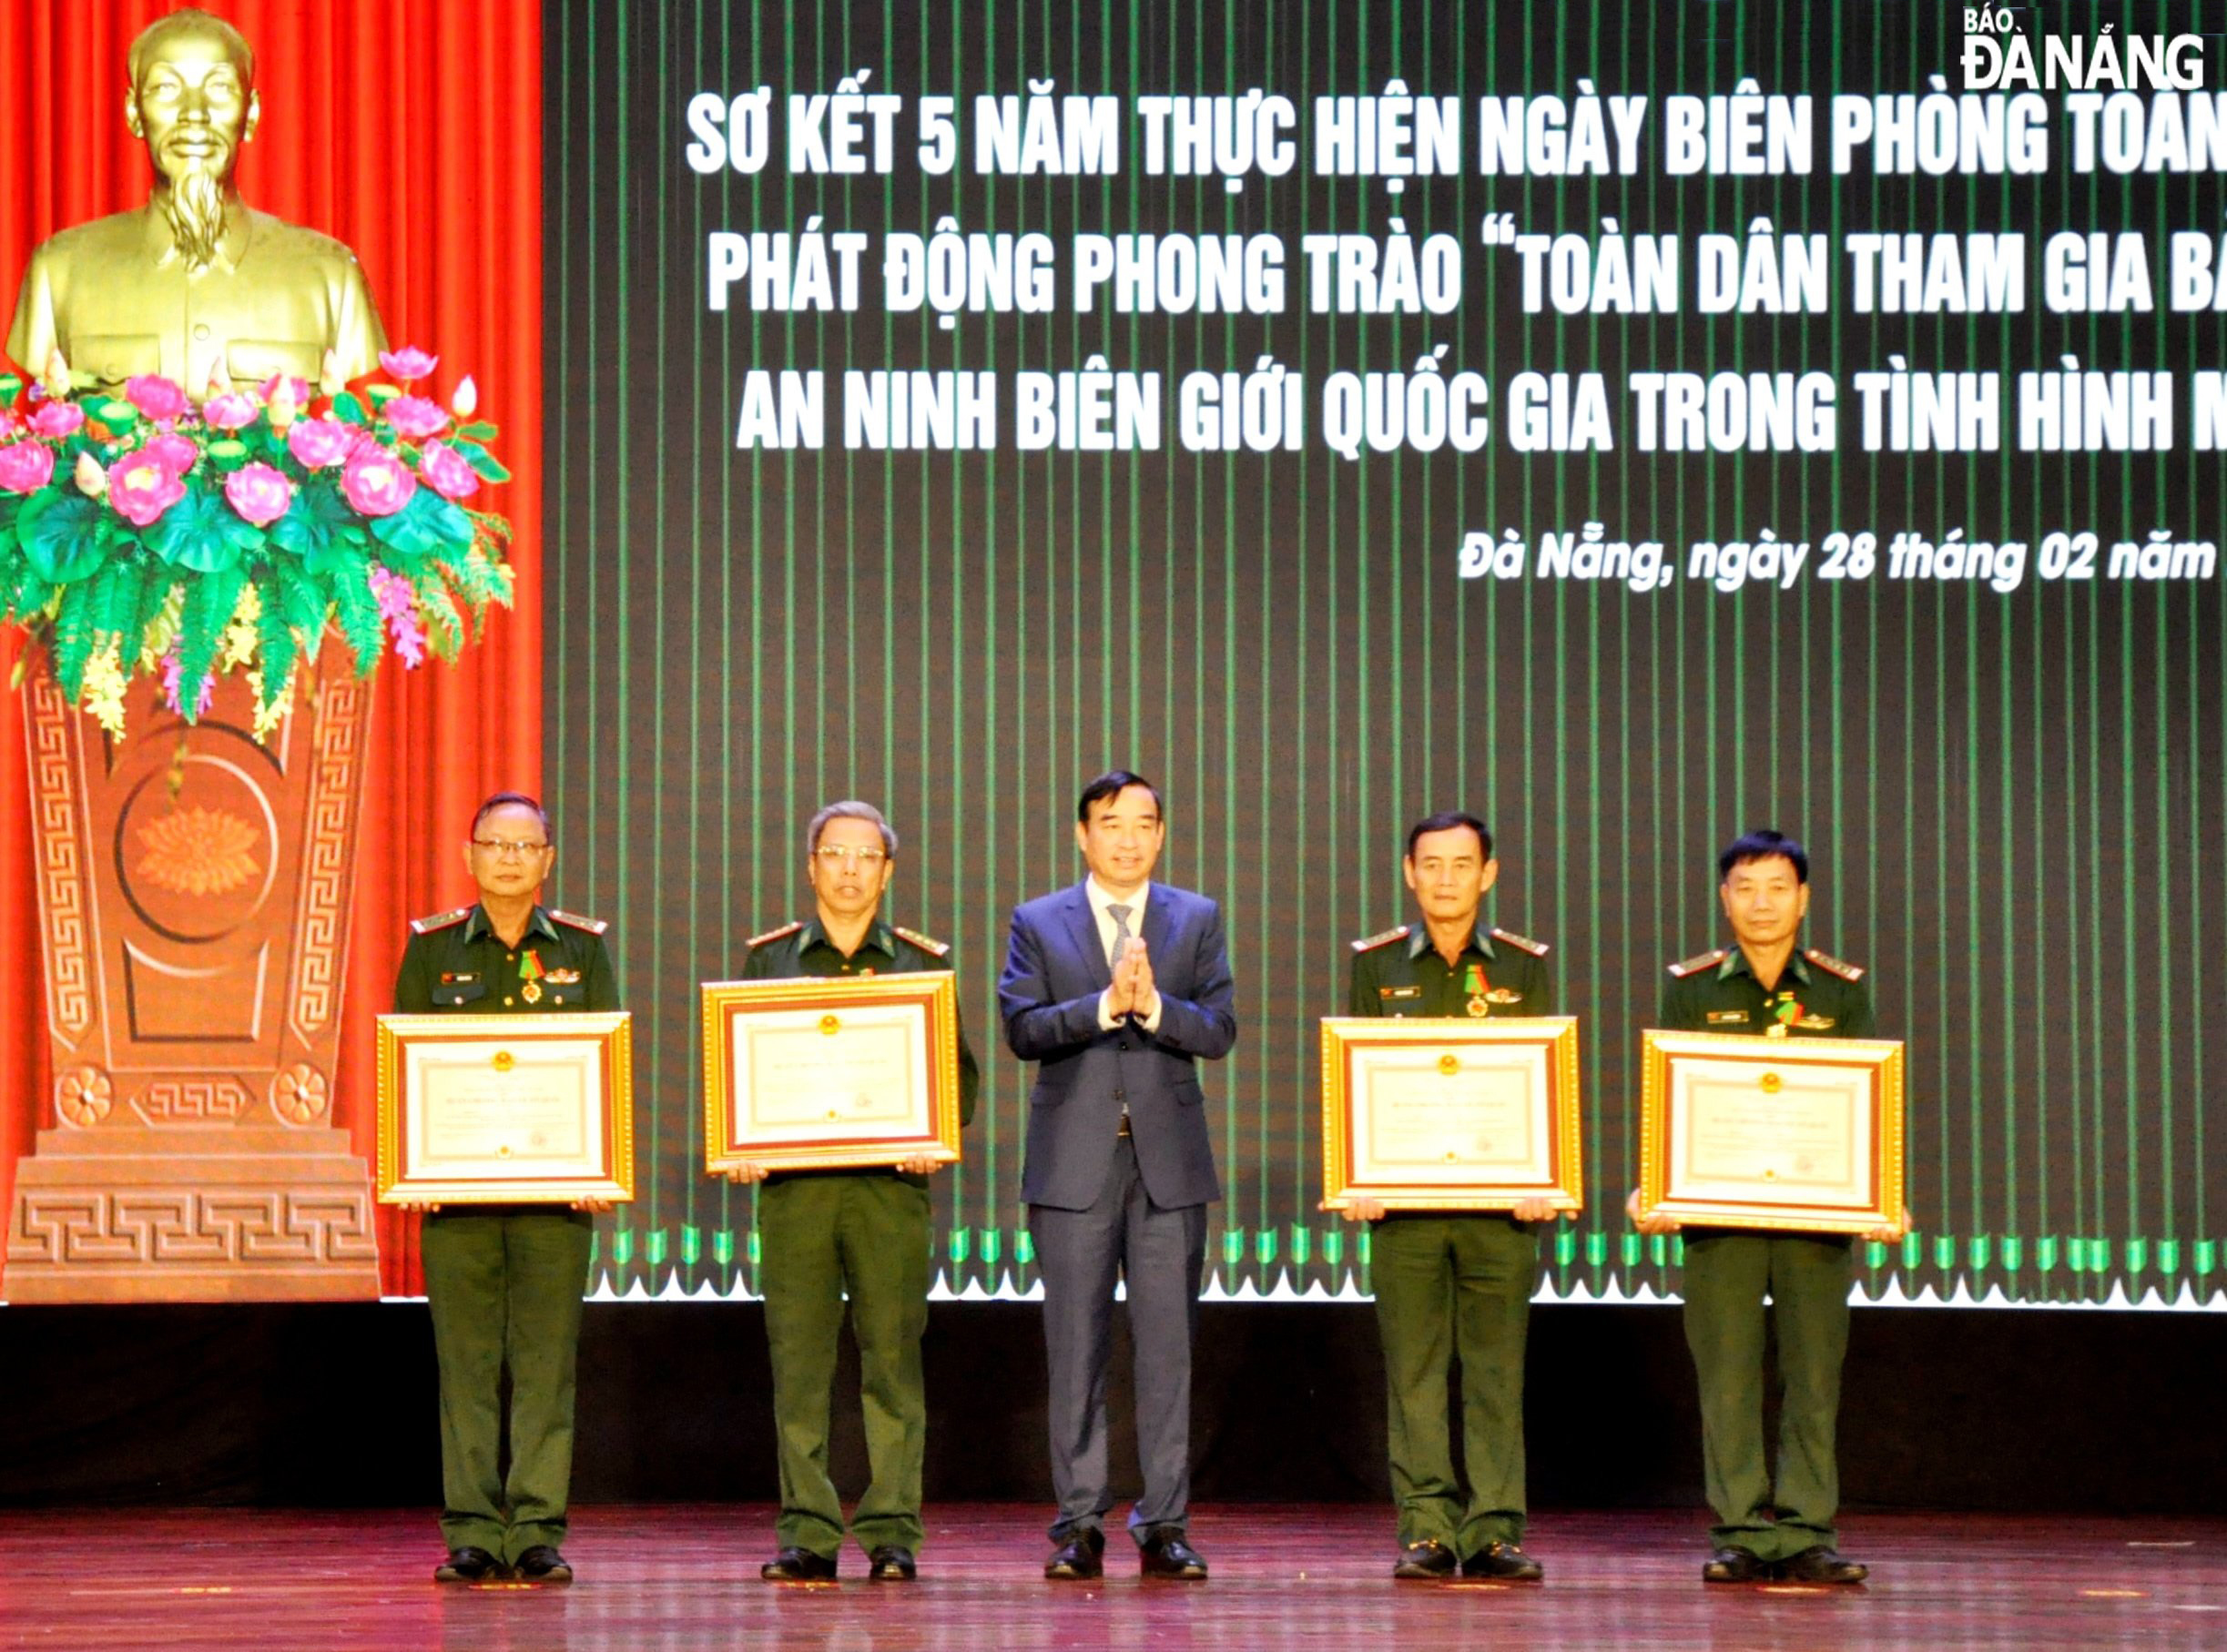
(675, 1576)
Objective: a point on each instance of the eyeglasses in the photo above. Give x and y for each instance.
(508, 849)
(838, 854)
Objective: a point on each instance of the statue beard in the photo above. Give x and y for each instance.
(195, 210)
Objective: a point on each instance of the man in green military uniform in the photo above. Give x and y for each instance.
(504, 1281)
(1454, 1283)
(1761, 985)
(827, 1234)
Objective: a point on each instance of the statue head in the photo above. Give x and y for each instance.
(193, 102)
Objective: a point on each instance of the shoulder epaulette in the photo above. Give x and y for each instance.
(1832, 966)
(926, 943)
(1696, 964)
(789, 927)
(440, 920)
(1522, 943)
(1398, 932)
(594, 926)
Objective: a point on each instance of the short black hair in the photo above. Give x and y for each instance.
(512, 800)
(1113, 783)
(1446, 820)
(1762, 844)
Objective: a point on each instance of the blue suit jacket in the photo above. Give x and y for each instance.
(1054, 972)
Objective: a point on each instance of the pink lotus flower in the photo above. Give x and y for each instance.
(415, 417)
(229, 412)
(319, 442)
(26, 467)
(155, 396)
(448, 473)
(261, 494)
(173, 451)
(408, 362)
(376, 482)
(142, 488)
(297, 387)
(58, 418)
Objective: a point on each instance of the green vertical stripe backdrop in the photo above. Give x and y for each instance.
(2014, 802)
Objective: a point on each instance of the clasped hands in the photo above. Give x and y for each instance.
(1132, 991)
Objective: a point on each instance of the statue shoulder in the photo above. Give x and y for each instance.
(97, 238)
(298, 241)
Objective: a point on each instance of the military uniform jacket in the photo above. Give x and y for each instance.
(1401, 973)
(803, 949)
(456, 961)
(1817, 996)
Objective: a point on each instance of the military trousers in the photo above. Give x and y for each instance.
(1806, 1277)
(820, 1237)
(505, 1289)
(1451, 1287)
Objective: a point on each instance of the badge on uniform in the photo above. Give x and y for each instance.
(1479, 1004)
(1503, 995)
(1400, 992)
(459, 977)
(530, 972)
(563, 978)
(1724, 1018)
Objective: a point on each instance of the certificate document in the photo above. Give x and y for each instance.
(831, 1072)
(476, 1110)
(1803, 1135)
(1423, 1113)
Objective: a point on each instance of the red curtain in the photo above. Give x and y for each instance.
(411, 130)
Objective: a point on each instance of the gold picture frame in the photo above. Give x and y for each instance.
(506, 1109)
(1396, 1089)
(1795, 1135)
(831, 1072)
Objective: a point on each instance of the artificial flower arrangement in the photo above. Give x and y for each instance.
(148, 534)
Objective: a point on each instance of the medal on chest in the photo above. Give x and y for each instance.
(1479, 1005)
(530, 972)
(1784, 1013)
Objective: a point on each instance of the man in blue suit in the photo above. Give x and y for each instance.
(1117, 987)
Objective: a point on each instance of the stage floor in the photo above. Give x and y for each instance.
(677, 1576)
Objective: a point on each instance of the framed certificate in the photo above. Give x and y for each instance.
(1800, 1134)
(829, 1073)
(1424, 1114)
(505, 1109)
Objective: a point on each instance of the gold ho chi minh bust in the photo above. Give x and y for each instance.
(196, 285)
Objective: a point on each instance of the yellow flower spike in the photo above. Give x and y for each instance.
(466, 400)
(331, 381)
(282, 406)
(57, 376)
(91, 479)
(104, 689)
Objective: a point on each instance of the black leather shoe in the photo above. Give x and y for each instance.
(1164, 1553)
(1425, 1561)
(798, 1566)
(470, 1565)
(1081, 1557)
(1504, 1563)
(542, 1563)
(892, 1563)
(1821, 1565)
(1737, 1566)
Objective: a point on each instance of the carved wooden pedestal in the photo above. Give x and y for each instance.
(194, 895)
